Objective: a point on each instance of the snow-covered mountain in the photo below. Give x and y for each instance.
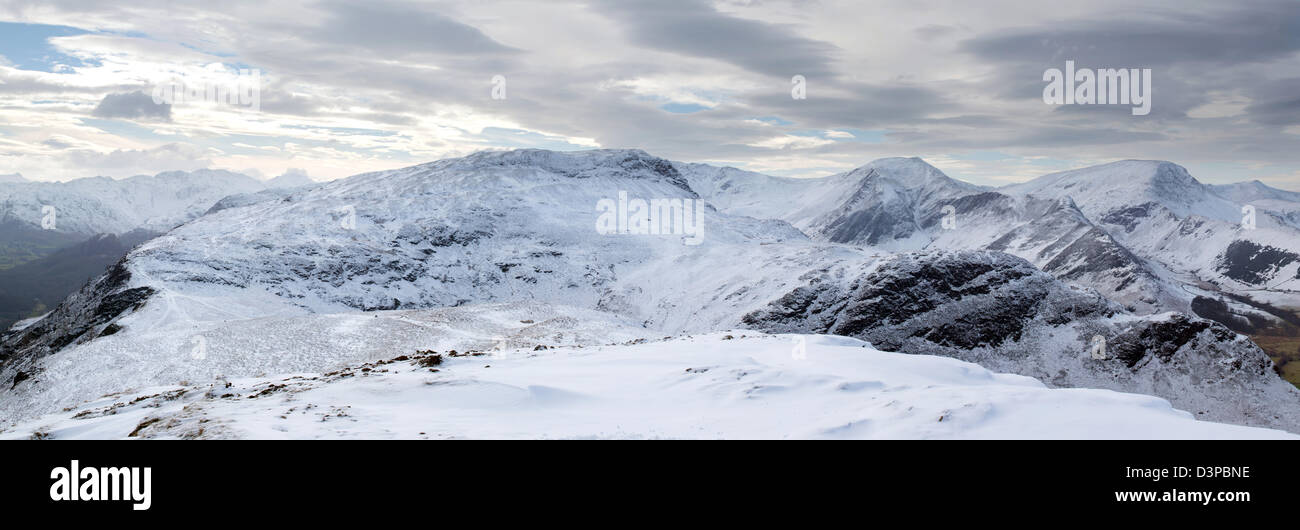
(1248, 192)
(291, 179)
(1144, 233)
(103, 205)
(884, 204)
(156, 203)
(898, 204)
(311, 280)
(1198, 237)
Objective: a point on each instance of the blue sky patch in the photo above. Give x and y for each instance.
(683, 108)
(28, 46)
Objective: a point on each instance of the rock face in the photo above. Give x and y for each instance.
(1253, 264)
(999, 311)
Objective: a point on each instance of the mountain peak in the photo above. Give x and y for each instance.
(909, 173)
(290, 179)
(612, 163)
(556, 159)
(13, 178)
(1103, 188)
(1254, 191)
(203, 172)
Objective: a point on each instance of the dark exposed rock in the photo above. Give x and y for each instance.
(1130, 217)
(1162, 339)
(1219, 311)
(958, 300)
(1252, 263)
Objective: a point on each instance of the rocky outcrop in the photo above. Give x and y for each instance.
(83, 316)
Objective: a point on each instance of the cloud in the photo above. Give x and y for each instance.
(125, 162)
(1248, 32)
(1276, 102)
(133, 106)
(397, 29)
(692, 28)
(349, 88)
(936, 31)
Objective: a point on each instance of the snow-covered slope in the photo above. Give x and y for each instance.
(711, 386)
(198, 338)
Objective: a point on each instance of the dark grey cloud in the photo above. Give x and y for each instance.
(1232, 34)
(402, 29)
(964, 82)
(694, 28)
(1276, 102)
(854, 105)
(1197, 56)
(936, 31)
(133, 106)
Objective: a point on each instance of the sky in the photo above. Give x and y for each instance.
(350, 87)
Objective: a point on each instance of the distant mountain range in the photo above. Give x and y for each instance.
(95, 221)
(100, 205)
